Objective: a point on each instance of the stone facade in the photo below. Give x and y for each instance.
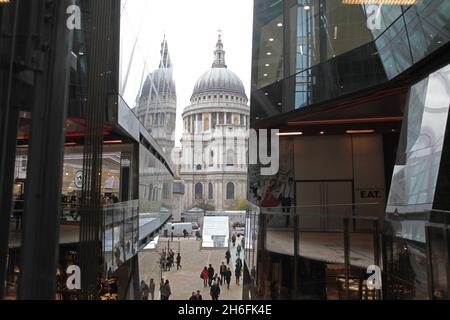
(213, 157)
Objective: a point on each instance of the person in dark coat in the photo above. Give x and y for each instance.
(228, 256)
(210, 274)
(152, 287)
(179, 261)
(145, 291)
(237, 272)
(193, 296)
(215, 290)
(227, 277)
(238, 263)
(223, 269)
(166, 292)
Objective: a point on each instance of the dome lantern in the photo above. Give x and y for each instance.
(219, 54)
(219, 78)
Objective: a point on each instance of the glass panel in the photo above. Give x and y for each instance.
(419, 155)
(439, 262)
(268, 33)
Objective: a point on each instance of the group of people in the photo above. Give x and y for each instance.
(107, 199)
(216, 280)
(148, 290)
(239, 246)
(168, 260)
(196, 295)
(212, 278)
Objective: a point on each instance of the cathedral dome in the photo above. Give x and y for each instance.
(160, 81)
(219, 78)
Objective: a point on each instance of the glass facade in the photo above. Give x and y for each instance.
(114, 189)
(338, 77)
(416, 248)
(327, 49)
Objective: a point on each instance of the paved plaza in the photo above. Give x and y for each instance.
(193, 260)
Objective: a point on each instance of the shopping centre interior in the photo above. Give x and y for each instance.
(362, 117)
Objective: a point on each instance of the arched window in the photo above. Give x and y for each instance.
(230, 158)
(206, 124)
(198, 191)
(210, 191)
(230, 191)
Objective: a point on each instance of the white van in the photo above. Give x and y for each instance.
(177, 229)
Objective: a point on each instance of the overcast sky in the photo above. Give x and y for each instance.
(191, 28)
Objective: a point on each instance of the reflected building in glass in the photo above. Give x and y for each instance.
(157, 103)
(360, 94)
(104, 185)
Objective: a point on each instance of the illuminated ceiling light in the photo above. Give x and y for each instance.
(306, 7)
(286, 134)
(113, 142)
(269, 53)
(360, 131)
(265, 74)
(322, 133)
(266, 94)
(267, 65)
(280, 104)
(279, 24)
(386, 2)
(4, 1)
(271, 39)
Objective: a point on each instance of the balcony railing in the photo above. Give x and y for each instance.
(331, 234)
(120, 233)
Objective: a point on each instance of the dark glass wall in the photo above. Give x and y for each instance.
(309, 52)
(416, 252)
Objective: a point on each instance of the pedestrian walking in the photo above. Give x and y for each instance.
(193, 296)
(210, 274)
(145, 290)
(216, 278)
(166, 291)
(172, 257)
(151, 288)
(199, 295)
(161, 286)
(204, 276)
(228, 278)
(215, 291)
(238, 263)
(168, 263)
(223, 269)
(233, 240)
(228, 256)
(238, 250)
(237, 273)
(179, 261)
